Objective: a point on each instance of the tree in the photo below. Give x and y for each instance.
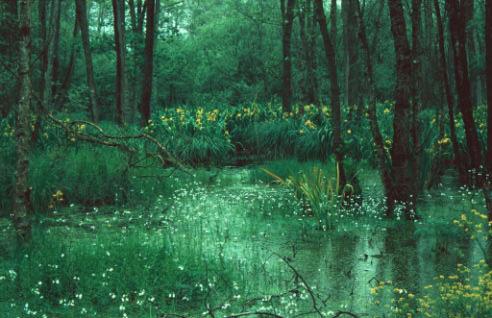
(307, 20)
(148, 62)
(402, 150)
(458, 18)
(89, 68)
(335, 91)
(20, 215)
(384, 162)
(287, 10)
(120, 47)
(448, 93)
(488, 44)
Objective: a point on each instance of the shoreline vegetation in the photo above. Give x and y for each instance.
(226, 158)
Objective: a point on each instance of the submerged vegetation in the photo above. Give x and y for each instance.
(225, 158)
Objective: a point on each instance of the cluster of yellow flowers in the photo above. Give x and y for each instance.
(57, 197)
(444, 141)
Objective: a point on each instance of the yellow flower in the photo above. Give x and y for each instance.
(387, 111)
(309, 124)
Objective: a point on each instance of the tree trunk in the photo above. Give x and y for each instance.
(384, 162)
(287, 23)
(51, 31)
(89, 68)
(120, 46)
(306, 33)
(65, 85)
(20, 215)
(148, 63)
(449, 95)
(488, 63)
(402, 150)
(335, 92)
(415, 95)
(457, 25)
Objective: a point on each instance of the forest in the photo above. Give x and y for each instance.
(246, 158)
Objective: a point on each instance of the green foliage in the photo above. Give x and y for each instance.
(128, 273)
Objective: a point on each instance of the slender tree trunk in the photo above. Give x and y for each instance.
(89, 68)
(65, 85)
(54, 16)
(415, 96)
(457, 24)
(56, 53)
(119, 38)
(148, 63)
(402, 150)
(384, 161)
(488, 63)
(308, 52)
(449, 94)
(287, 23)
(20, 215)
(335, 92)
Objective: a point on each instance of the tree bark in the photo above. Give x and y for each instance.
(384, 161)
(457, 25)
(148, 63)
(89, 68)
(335, 92)
(20, 215)
(306, 32)
(488, 63)
(61, 92)
(287, 23)
(402, 150)
(449, 94)
(120, 46)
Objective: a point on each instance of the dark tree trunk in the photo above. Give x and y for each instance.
(148, 62)
(352, 71)
(306, 31)
(89, 68)
(415, 95)
(56, 53)
(457, 25)
(449, 94)
(488, 63)
(402, 150)
(20, 215)
(65, 85)
(120, 47)
(287, 23)
(335, 91)
(384, 161)
(51, 31)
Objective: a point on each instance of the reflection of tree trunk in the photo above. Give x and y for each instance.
(403, 149)
(335, 92)
(22, 127)
(287, 23)
(119, 39)
(449, 95)
(89, 68)
(457, 24)
(400, 243)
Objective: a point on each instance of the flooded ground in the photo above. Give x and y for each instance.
(262, 244)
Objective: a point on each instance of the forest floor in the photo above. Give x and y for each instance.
(228, 242)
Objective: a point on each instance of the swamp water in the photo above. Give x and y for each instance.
(262, 248)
